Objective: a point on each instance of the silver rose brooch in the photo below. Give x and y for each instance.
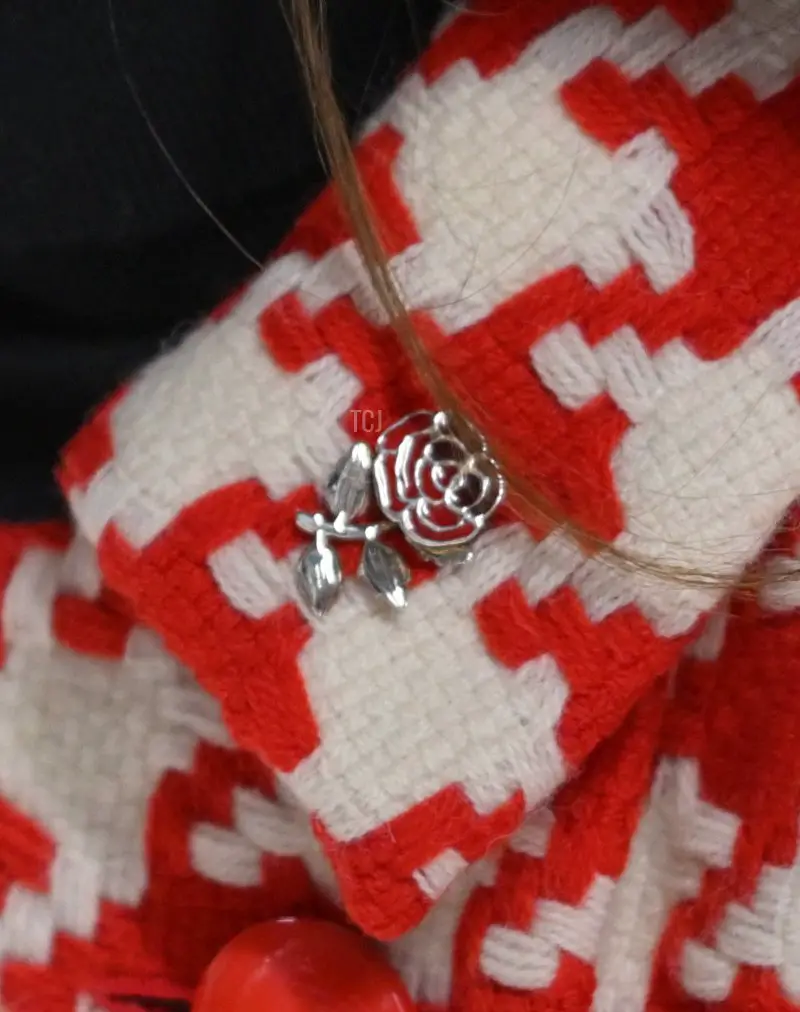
(425, 483)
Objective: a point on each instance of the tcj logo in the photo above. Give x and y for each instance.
(367, 422)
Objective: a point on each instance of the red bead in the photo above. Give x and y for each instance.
(301, 966)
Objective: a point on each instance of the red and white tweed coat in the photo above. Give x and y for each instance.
(550, 783)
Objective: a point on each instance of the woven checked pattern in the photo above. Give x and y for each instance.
(136, 839)
(666, 873)
(584, 240)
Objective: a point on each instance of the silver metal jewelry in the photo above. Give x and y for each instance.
(427, 484)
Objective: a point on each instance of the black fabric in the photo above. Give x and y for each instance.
(104, 255)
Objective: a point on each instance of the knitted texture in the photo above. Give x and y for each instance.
(550, 782)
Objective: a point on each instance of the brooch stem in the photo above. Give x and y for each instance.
(339, 528)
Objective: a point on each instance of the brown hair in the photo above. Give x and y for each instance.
(308, 21)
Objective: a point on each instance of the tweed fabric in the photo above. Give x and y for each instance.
(550, 782)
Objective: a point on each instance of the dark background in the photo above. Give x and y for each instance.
(104, 255)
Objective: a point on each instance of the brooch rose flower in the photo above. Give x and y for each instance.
(427, 483)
